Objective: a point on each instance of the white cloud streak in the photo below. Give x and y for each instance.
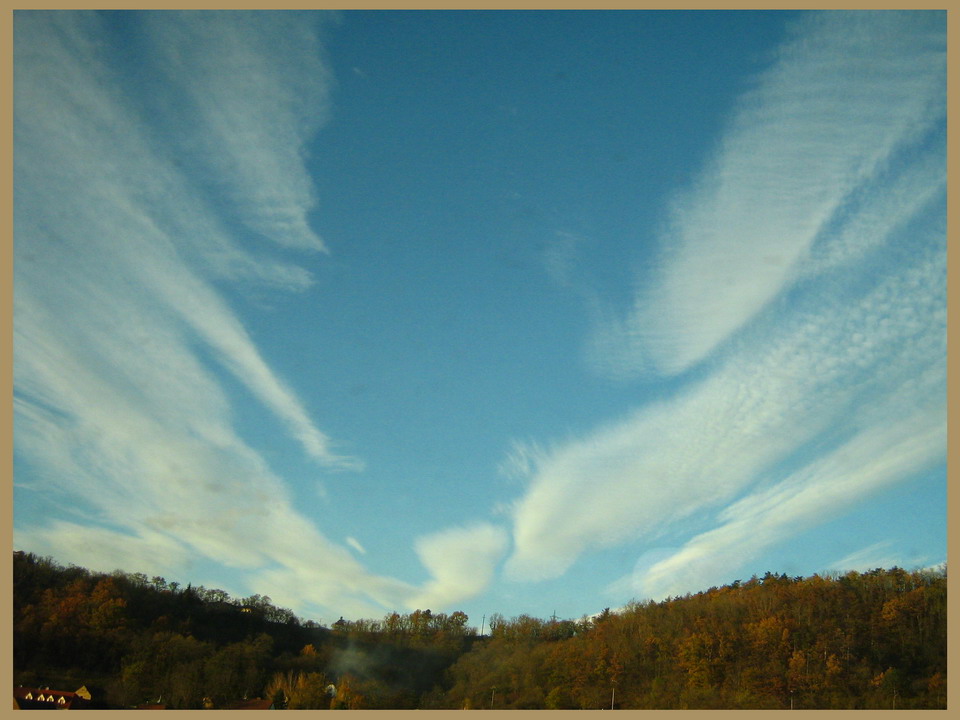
(792, 383)
(119, 413)
(816, 403)
(92, 230)
(878, 555)
(157, 551)
(871, 461)
(355, 544)
(847, 92)
(256, 88)
(462, 562)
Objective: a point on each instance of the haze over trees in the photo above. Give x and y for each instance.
(859, 640)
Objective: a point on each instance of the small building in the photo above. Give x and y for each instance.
(25, 698)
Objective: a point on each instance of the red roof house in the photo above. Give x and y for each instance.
(25, 698)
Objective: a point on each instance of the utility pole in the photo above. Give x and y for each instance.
(613, 696)
(482, 620)
(493, 692)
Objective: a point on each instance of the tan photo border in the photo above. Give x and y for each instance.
(6, 265)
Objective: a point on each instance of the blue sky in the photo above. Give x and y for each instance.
(517, 312)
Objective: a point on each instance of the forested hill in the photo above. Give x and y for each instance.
(860, 640)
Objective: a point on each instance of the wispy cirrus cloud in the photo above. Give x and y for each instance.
(878, 555)
(792, 388)
(229, 73)
(96, 200)
(127, 216)
(872, 460)
(355, 544)
(847, 93)
(827, 194)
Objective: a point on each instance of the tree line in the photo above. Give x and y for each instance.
(858, 640)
